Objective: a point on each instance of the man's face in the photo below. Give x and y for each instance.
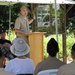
(24, 12)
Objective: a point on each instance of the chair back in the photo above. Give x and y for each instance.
(48, 72)
(24, 74)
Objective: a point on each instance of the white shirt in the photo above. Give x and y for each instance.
(20, 66)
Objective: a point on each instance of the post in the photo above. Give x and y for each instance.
(9, 19)
(56, 24)
(64, 37)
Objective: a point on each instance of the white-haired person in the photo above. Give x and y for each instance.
(22, 24)
(21, 64)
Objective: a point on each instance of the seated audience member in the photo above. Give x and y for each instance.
(5, 45)
(3, 40)
(2, 63)
(68, 69)
(51, 62)
(21, 64)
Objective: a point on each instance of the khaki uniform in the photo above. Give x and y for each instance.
(21, 24)
(49, 63)
(68, 69)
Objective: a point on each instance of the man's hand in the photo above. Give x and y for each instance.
(28, 33)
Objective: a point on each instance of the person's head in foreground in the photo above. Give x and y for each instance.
(52, 47)
(19, 47)
(21, 64)
(68, 69)
(51, 62)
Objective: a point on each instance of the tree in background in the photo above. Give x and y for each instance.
(4, 17)
(4, 14)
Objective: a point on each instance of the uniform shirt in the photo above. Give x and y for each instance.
(21, 23)
(20, 66)
(3, 72)
(49, 63)
(68, 69)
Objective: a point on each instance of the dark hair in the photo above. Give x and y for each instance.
(73, 47)
(52, 47)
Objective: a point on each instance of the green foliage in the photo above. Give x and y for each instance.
(48, 30)
(70, 40)
(4, 15)
(71, 24)
(10, 36)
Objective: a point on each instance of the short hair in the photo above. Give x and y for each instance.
(52, 47)
(23, 7)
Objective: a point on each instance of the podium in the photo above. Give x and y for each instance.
(36, 46)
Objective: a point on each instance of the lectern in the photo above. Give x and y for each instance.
(36, 46)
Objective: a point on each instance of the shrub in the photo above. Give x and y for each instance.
(70, 40)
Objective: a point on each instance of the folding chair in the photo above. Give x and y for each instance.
(24, 74)
(48, 72)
